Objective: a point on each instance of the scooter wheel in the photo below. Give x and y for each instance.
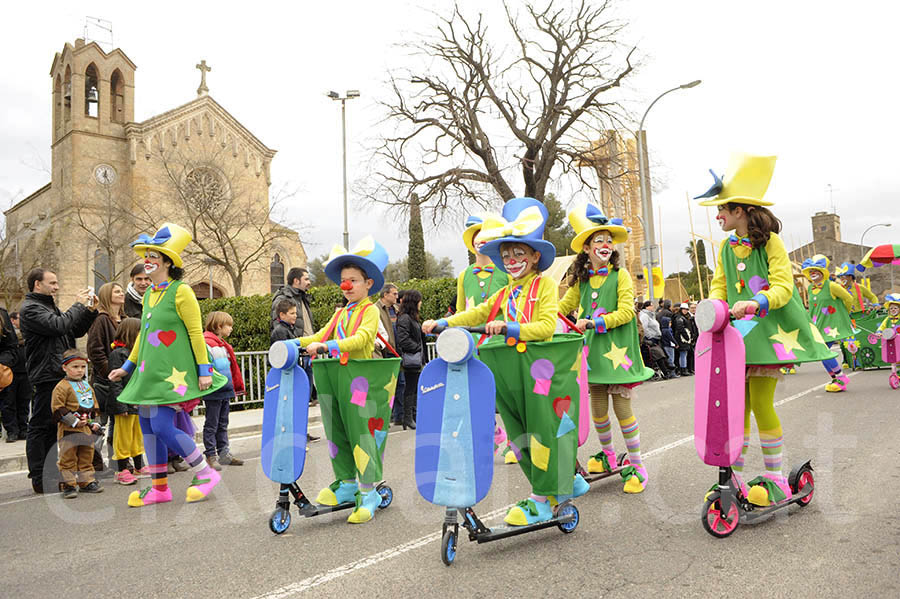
(805, 479)
(623, 460)
(714, 522)
(280, 520)
(566, 511)
(387, 496)
(448, 547)
(894, 381)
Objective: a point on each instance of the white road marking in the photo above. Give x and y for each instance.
(335, 573)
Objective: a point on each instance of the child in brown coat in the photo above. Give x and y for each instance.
(73, 406)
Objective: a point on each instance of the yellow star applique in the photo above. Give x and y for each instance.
(788, 340)
(540, 454)
(817, 336)
(391, 387)
(616, 355)
(834, 333)
(177, 378)
(577, 365)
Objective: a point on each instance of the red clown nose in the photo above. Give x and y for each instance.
(347, 285)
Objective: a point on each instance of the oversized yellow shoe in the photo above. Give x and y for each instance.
(527, 512)
(366, 505)
(768, 489)
(510, 457)
(336, 493)
(602, 462)
(635, 479)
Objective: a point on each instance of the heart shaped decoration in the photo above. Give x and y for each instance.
(561, 405)
(375, 424)
(167, 337)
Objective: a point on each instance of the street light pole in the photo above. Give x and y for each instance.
(352, 93)
(862, 248)
(650, 251)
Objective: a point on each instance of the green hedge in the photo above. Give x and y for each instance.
(251, 314)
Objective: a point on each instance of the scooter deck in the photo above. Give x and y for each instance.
(285, 420)
(719, 396)
(454, 459)
(598, 476)
(309, 509)
(758, 513)
(480, 533)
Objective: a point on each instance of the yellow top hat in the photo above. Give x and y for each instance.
(170, 240)
(818, 262)
(588, 219)
(473, 227)
(746, 181)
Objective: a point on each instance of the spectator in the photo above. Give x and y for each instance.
(668, 343)
(389, 310)
(666, 310)
(410, 341)
(9, 353)
(695, 333)
(283, 329)
(217, 327)
(15, 399)
(298, 283)
(134, 293)
(684, 339)
(110, 312)
(48, 333)
(649, 323)
(129, 440)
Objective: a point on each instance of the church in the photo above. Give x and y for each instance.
(113, 178)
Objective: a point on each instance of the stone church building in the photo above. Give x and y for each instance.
(113, 178)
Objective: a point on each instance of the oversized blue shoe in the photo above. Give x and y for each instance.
(527, 512)
(366, 504)
(337, 492)
(579, 488)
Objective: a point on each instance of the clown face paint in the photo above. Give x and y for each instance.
(894, 310)
(518, 259)
(478, 243)
(816, 277)
(354, 284)
(847, 281)
(730, 220)
(152, 261)
(600, 248)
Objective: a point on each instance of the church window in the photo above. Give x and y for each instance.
(102, 269)
(91, 91)
(57, 102)
(276, 274)
(67, 94)
(206, 190)
(117, 96)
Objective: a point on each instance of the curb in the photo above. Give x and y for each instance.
(18, 463)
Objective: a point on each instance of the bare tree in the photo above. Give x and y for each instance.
(477, 123)
(17, 258)
(233, 227)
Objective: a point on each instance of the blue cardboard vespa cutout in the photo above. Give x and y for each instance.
(285, 414)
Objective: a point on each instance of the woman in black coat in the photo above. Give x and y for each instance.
(684, 338)
(410, 341)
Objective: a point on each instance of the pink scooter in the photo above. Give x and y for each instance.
(890, 350)
(719, 388)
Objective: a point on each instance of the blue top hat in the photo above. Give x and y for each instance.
(523, 221)
(368, 255)
(848, 268)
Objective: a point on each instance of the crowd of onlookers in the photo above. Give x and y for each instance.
(668, 337)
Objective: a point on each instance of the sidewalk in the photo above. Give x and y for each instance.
(242, 423)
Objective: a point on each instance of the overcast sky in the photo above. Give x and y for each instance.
(812, 82)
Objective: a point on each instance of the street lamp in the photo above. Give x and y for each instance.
(650, 251)
(862, 249)
(351, 93)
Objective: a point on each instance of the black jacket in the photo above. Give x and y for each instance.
(409, 336)
(9, 343)
(112, 389)
(48, 333)
(298, 297)
(681, 328)
(133, 308)
(282, 331)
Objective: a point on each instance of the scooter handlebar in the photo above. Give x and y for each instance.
(437, 330)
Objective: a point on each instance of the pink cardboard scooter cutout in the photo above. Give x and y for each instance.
(719, 399)
(890, 349)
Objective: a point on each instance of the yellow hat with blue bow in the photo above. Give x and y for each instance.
(522, 221)
(170, 240)
(588, 219)
(818, 262)
(745, 182)
(891, 298)
(368, 255)
(473, 226)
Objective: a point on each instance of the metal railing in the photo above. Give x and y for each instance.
(254, 366)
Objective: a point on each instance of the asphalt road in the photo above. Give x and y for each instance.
(844, 544)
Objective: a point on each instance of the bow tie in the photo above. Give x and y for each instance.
(161, 287)
(735, 240)
(477, 269)
(603, 271)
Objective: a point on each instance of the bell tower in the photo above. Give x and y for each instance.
(92, 100)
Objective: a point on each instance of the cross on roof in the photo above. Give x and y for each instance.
(203, 90)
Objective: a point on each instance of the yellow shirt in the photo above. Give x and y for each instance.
(624, 312)
(189, 311)
(543, 316)
(866, 294)
(781, 278)
(359, 345)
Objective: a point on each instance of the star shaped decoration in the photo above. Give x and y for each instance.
(834, 333)
(788, 340)
(617, 355)
(177, 378)
(391, 387)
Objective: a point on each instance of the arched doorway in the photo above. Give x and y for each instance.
(201, 290)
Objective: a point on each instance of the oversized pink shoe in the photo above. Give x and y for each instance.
(149, 496)
(201, 487)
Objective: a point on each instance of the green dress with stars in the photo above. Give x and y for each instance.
(476, 288)
(829, 313)
(165, 371)
(783, 336)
